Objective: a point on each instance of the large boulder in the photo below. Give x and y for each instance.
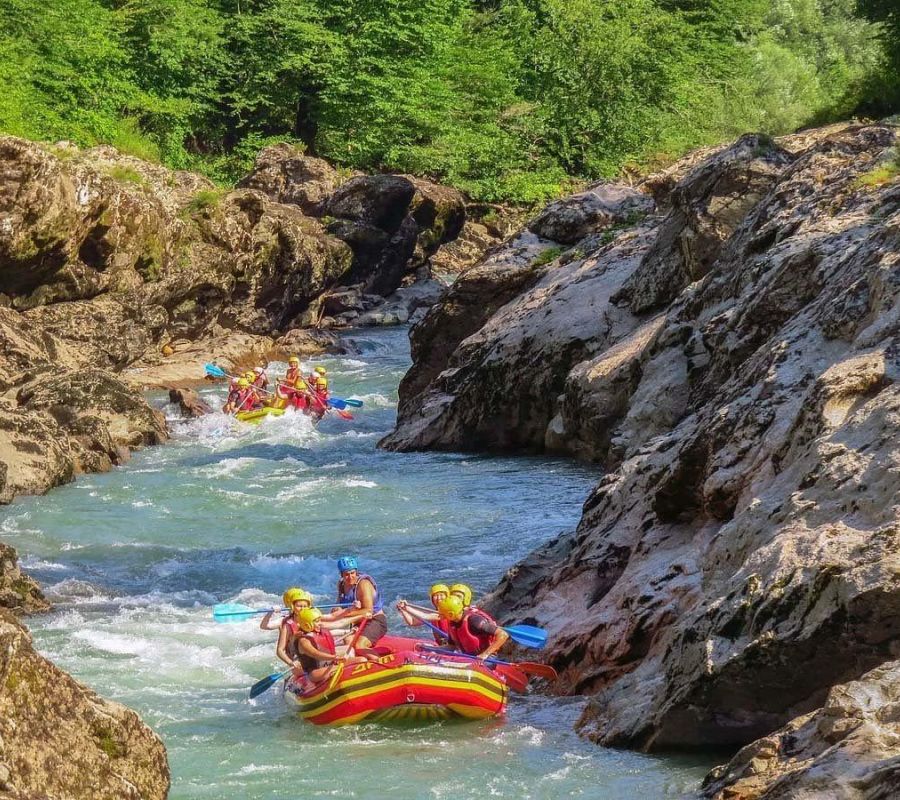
(598, 208)
(61, 741)
(286, 174)
(393, 223)
(491, 358)
(18, 592)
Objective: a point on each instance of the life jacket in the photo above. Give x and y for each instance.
(321, 640)
(293, 631)
(465, 639)
(246, 400)
(443, 625)
(349, 596)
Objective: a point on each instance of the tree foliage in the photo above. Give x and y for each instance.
(507, 99)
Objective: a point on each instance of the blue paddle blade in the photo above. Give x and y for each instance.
(215, 371)
(235, 612)
(266, 683)
(336, 402)
(527, 635)
(353, 403)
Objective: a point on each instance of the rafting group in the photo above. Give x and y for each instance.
(250, 392)
(343, 666)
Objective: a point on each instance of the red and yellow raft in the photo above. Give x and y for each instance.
(407, 684)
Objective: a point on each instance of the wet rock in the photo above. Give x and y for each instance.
(189, 402)
(849, 748)
(18, 592)
(392, 223)
(603, 205)
(58, 739)
(399, 307)
(287, 175)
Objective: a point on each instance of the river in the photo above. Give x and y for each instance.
(134, 560)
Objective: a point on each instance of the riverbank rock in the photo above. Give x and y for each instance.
(59, 740)
(189, 402)
(286, 174)
(18, 592)
(847, 749)
(733, 362)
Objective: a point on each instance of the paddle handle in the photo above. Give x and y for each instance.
(490, 660)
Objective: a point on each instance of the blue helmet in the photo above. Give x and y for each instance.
(347, 562)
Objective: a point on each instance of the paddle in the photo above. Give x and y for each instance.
(236, 612)
(525, 635)
(340, 667)
(268, 682)
(528, 667)
(345, 401)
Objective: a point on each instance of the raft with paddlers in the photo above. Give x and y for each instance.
(250, 401)
(403, 680)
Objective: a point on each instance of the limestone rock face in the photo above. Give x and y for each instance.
(18, 592)
(846, 749)
(467, 305)
(741, 556)
(392, 223)
(569, 220)
(58, 739)
(287, 175)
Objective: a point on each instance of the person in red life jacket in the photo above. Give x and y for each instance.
(319, 395)
(463, 592)
(362, 591)
(294, 389)
(260, 379)
(246, 398)
(317, 652)
(439, 591)
(296, 600)
(231, 400)
(471, 630)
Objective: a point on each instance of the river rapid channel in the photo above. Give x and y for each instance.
(135, 559)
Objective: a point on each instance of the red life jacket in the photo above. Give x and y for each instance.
(445, 627)
(465, 639)
(321, 640)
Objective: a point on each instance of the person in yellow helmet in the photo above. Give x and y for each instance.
(470, 629)
(293, 389)
(463, 592)
(415, 616)
(319, 395)
(296, 600)
(317, 651)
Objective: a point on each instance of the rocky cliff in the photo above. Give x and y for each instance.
(724, 338)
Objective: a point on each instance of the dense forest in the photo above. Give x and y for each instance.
(507, 99)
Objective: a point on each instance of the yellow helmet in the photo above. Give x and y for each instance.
(437, 588)
(307, 619)
(294, 360)
(320, 371)
(294, 594)
(243, 383)
(463, 591)
(451, 608)
(250, 375)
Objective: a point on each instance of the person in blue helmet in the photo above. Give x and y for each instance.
(362, 591)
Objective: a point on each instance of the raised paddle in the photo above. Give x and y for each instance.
(528, 667)
(236, 612)
(525, 635)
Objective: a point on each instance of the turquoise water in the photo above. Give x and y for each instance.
(135, 559)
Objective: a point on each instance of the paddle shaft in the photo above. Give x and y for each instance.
(528, 667)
